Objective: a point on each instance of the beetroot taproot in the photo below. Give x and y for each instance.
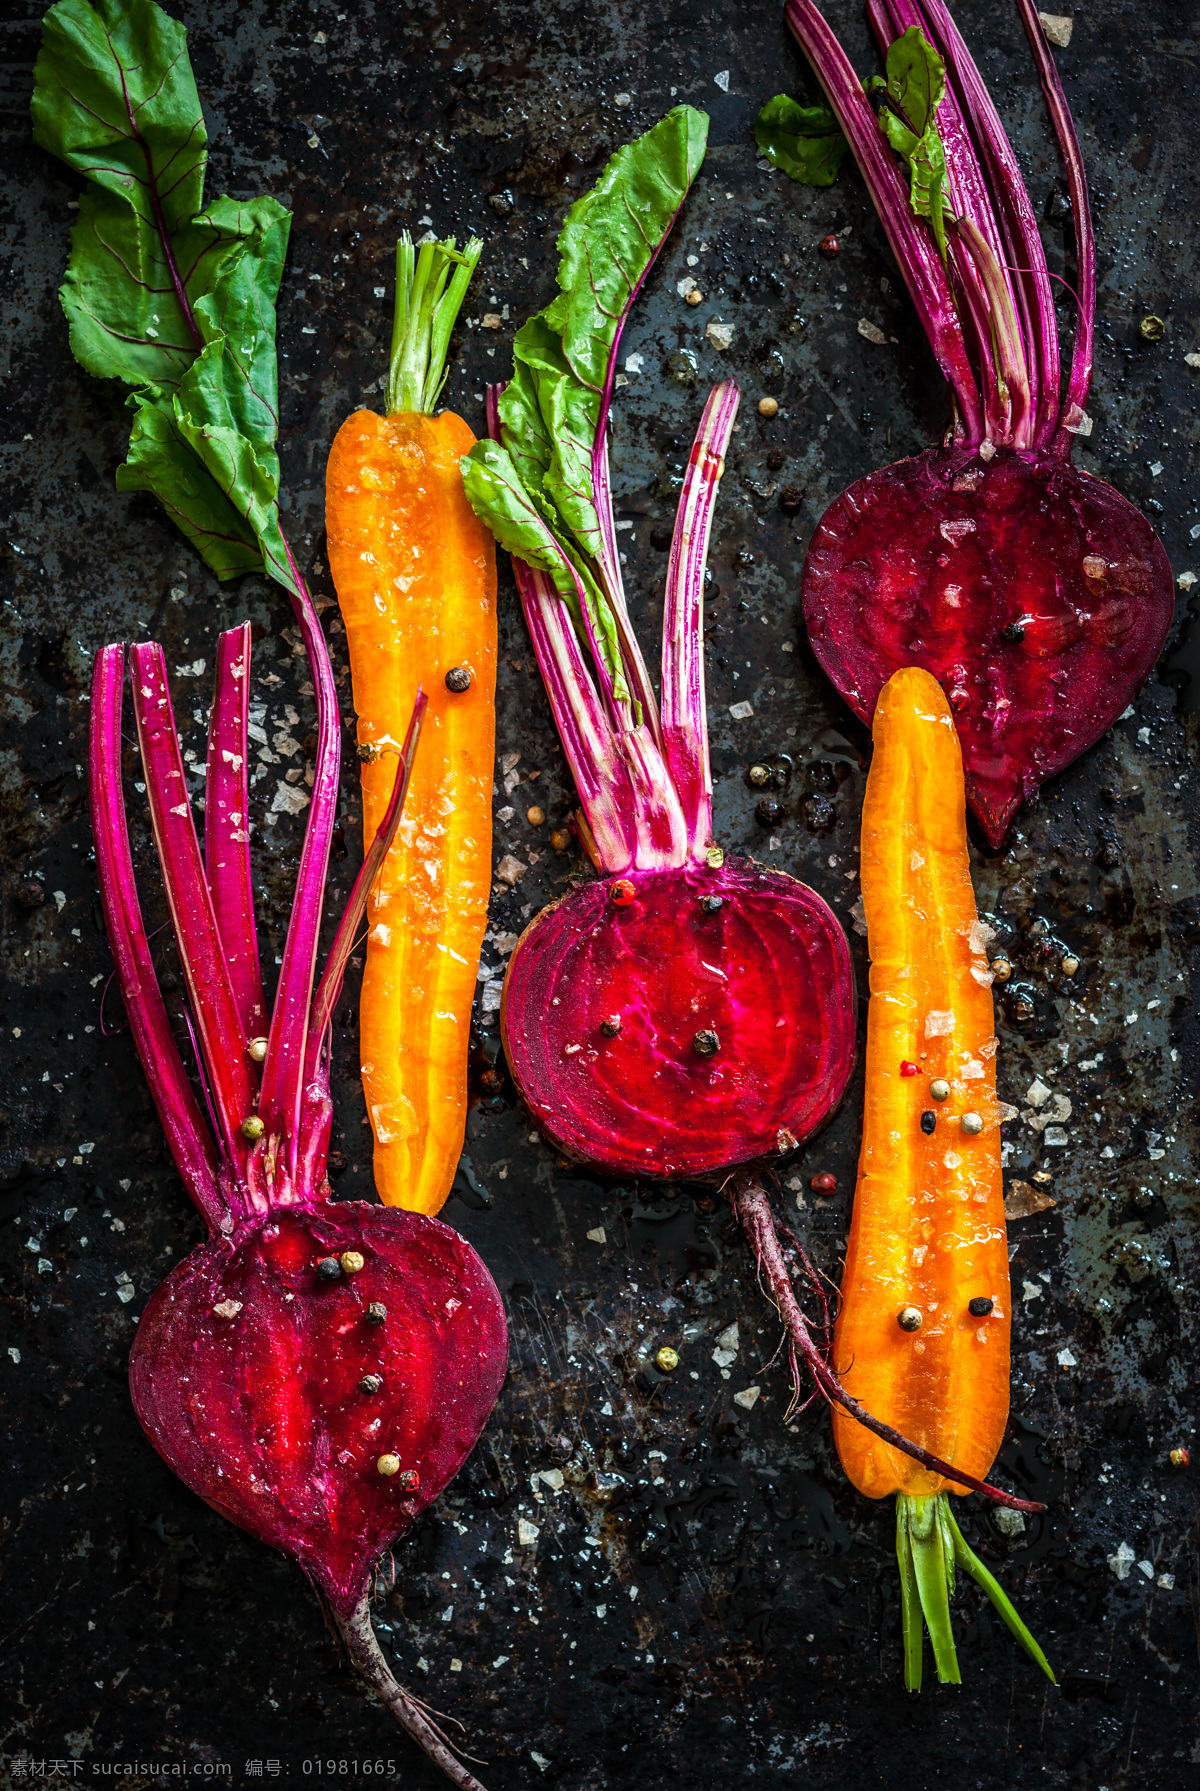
(1035, 593)
(1037, 596)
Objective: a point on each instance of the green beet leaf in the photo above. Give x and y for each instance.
(610, 237)
(912, 93)
(537, 494)
(498, 493)
(805, 141)
(175, 300)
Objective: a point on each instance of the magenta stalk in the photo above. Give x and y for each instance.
(227, 827)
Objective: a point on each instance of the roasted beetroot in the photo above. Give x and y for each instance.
(316, 1371)
(1035, 593)
(685, 1029)
(319, 1408)
(1038, 597)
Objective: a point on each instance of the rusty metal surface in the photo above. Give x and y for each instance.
(637, 1579)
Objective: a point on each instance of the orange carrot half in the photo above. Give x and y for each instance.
(922, 1338)
(416, 579)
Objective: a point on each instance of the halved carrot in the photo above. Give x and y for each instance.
(416, 578)
(922, 1338)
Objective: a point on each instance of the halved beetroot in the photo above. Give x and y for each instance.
(253, 1376)
(1037, 596)
(681, 1022)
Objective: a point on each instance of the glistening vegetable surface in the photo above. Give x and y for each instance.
(252, 1373)
(764, 1521)
(922, 1333)
(1037, 595)
(416, 578)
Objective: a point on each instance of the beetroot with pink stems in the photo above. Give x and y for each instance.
(317, 1371)
(1036, 594)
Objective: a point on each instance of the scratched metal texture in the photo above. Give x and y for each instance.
(706, 1603)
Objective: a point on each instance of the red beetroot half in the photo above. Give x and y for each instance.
(683, 1027)
(316, 1371)
(1037, 595)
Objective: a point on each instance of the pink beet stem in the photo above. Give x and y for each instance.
(330, 985)
(1022, 239)
(588, 739)
(1007, 341)
(584, 727)
(968, 194)
(366, 1655)
(227, 827)
(210, 990)
(911, 242)
(1080, 378)
(637, 676)
(287, 1049)
(753, 1211)
(636, 672)
(629, 798)
(179, 1114)
(685, 718)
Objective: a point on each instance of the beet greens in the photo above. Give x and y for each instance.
(1035, 593)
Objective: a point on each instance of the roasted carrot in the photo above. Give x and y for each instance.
(416, 579)
(922, 1338)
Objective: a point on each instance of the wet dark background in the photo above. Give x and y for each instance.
(697, 1597)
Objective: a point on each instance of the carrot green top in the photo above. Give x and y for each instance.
(431, 284)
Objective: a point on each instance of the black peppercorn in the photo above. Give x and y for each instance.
(769, 811)
(370, 1383)
(1014, 633)
(980, 1306)
(706, 1043)
(790, 499)
(329, 1269)
(376, 1313)
(712, 904)
(458, 679)
(928, 1120)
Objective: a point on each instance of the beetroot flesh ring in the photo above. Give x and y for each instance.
(768, 972)
(246, 1370)
(1037, 596)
